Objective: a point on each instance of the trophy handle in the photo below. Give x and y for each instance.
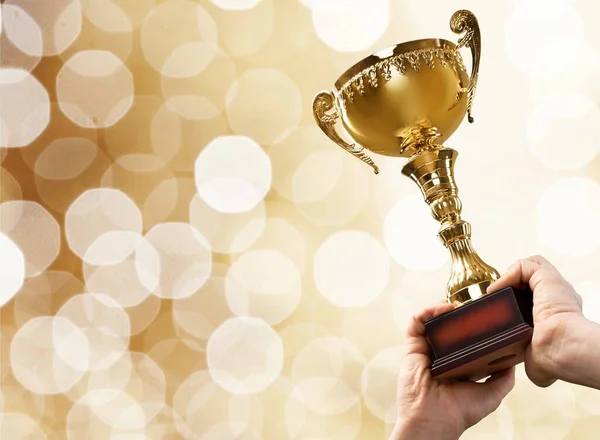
(465, 21)
(326, 114)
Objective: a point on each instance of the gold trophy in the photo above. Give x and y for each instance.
(406, 101)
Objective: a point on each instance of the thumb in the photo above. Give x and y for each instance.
(518, 274)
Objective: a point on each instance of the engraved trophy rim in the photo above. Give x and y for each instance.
(390, 52)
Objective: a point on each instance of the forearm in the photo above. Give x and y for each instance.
(580, 363)
(423, 431)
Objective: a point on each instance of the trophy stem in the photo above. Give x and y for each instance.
(432, 169)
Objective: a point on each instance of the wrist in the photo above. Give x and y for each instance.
(424, 430)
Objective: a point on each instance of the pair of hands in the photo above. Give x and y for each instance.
(430, 409)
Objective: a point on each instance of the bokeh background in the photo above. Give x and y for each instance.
(184, 255)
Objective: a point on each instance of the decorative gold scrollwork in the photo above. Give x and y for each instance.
(464, 21)
(326, 114)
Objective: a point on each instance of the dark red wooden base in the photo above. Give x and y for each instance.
(479, 338)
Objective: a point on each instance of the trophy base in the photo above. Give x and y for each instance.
(481, 337)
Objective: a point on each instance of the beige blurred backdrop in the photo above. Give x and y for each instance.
(184, 255)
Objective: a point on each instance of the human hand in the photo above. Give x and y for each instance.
(557, 317)
(433, 409)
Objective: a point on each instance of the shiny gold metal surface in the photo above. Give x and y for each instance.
(406, 101)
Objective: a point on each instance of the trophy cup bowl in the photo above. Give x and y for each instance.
(406, 101)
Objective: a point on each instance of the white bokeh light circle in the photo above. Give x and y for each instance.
(316, 176)
(326, 375)
(551, 129)
(115, 408)
(410, 235)
(128, 280)
(199, 403)
(105, 325)
(59, 20)
(568, 215)
(244, 355)
(172, 29)
(263, 284)
(19, 426)
(112, 247)
(43, 356)
(65, 158)
(350, 26)
(12, 269)
(558, 33)
(351, 268)
(98, 211)
(271, 97)
(185, 259)
(228, 233)
(26, 108)
(21, 29)
(379, 383)
(34, 230)
(94, 89)
(233, 174)
(200, 314)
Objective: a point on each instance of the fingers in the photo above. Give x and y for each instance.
(490, 393)
(523, 273)
(416, 326)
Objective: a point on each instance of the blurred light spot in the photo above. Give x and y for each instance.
(233, 174)
(172, 24)
(189, 59)
(49, 355)
(112, 247)
(351, 269)
(201, 406)
(126, 279)
(96, 212)
(105, 325)
(21, 30)
(19, 426)
(132, 14)
(316, 176)
(200, 314)
(236, 5)
(281, 235)
(557, 30)
(568, 215)
(327, 375)
(301, 422)
(263, 284)
(107, 15)
(228, 233)
(350, 26)
(185, 259)
(379, 381)
(263, 93)
(563, 120)
(94, 89)
(134, 135)
(244, 31)
(65, 158)
(410, 235)
(116, 408)
(12, 269)
(143, 314)
(25, 108)
(244, 355)
(202, 95)
(498, 425)
(44, 295)
(390, 185)
(342, 203)
(34, 230)
(59, 20)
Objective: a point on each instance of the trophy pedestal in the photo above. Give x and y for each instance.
(481, 337)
